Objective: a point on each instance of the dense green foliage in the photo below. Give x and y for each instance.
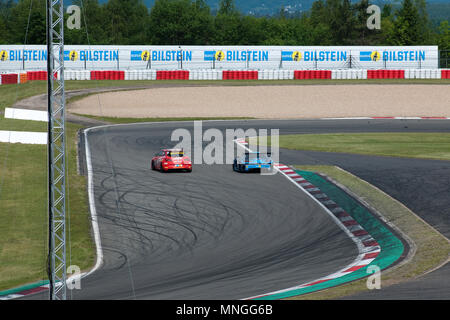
(193, 22)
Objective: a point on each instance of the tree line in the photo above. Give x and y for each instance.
(191, 22)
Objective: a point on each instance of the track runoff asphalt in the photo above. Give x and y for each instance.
(218, 234)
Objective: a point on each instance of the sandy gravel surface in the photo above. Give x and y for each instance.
(309, 101)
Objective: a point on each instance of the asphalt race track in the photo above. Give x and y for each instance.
(217, 234)
(211, 234)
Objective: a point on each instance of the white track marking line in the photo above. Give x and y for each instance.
(93, 209)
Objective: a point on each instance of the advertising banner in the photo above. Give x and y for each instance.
(34, 57)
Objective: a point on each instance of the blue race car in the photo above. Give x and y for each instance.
(252, 161)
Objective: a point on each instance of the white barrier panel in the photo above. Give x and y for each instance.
(351, 74)
(193, 75)
(364, 74)
(407, 74)
(23, 137)
(275, 74)
(333, 74)
(206, 74)
(262, 75)
(348, 74)
(423, 74)
(435, 74)
(140, 74)
(24, 114)
(77, 75)
(417, 74)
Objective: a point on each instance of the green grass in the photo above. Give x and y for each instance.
(432, 248)
(411, 145)
(23, 212)
(22, 125)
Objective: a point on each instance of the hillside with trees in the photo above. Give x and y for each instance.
(193, 22)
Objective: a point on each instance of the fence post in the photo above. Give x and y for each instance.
(439, 58)
(351, 57)
(181, 58)
(446, 58)
(315, 60)
(248, 59)
(149, 62)
(281, 60)
(118, 59)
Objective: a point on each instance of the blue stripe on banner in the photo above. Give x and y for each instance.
(365, 53)
(286, 55)
(66, 55)
(136, 56)
(209, 55)
(365, 59)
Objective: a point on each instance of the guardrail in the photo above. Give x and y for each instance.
(208, 74)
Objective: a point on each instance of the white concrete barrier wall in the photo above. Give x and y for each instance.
(23, 137)
(24, 114)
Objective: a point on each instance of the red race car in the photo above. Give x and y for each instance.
(171, 159)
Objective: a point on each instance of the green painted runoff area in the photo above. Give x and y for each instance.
(391, 247)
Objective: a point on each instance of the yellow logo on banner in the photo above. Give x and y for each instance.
(375, 56)
(145, 55)
(3, 55)
(73, 55)
(219, 55)
(296, 56)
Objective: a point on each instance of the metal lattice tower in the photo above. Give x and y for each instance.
(56, 150)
